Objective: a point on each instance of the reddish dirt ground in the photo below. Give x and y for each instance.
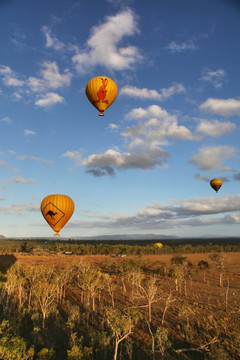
(67, 260)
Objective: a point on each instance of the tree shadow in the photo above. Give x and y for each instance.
(6, 261)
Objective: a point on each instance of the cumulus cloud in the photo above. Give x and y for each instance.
(9, 77)
(215, 128)
(216, 77)
(155, 125)
(49, 78)
(212, 158)
(51, 39)
(111, 55)
(144, 161)
(145, 93)
(223, 107)
(49, 99)
(20, 180)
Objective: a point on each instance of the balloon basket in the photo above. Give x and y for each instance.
(56, 235)
(101, 113)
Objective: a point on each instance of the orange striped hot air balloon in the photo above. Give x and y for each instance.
(216, 184)
(57, 210)
(101, 91)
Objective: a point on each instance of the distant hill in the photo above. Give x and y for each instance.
(126, 237)
(2, 237)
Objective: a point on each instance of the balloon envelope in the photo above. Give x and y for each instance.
(101, 91)
(216, 184)
(159, 245)
(57, 210)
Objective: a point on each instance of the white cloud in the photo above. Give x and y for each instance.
(19, 209)
(20, 180)
(104, 164)
(179, 47)
(189, 212)
(75, 156)
(201, 177)
(34, 158)
(4, 164)
(146, 160)
(110, 55)
(9, 77)
(113, 127)
(155, 126)
(7, 120)
(49, 99)
(216, 78)
(223, 107)
(51, 39)
(145, 93)
(29, 132)
(215, 128)
(212, 158)
(50, 78)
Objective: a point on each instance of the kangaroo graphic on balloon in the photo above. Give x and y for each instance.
(51, 213)
(101, 91)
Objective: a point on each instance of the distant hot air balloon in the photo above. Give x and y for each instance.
(101, 91)
(159, 245)
(216, 184)
(57, 210)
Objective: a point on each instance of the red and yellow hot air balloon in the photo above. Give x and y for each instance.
(57, 210)
(101, 91)
(216, 184)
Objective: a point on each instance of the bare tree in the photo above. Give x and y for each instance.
(148, 292)
(168, 301)
(110, 285)
(221, 262)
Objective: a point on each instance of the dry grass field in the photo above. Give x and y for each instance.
(66, 260)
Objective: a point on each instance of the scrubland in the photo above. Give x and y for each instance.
(110, 306)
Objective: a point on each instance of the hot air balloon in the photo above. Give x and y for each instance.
(101, 91)
(216, 184)
(159, 245)
(57, 210)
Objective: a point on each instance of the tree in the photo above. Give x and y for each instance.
(162, 340)
(110, 285)
(13, 347)
(45, 293)
(121, 324)
(46, 354)
(148, 292)
(89, 280)
(221, 261)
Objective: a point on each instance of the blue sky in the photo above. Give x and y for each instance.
(145, 166)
